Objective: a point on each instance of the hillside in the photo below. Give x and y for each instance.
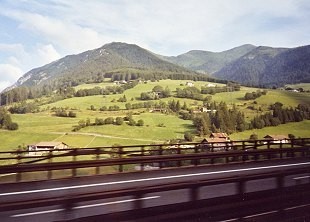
(266, 66)
(209, 62)
(111, 57)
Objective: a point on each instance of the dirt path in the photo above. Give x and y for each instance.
(108, 136)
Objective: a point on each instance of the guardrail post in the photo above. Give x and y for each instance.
(160, 153)
(241, 188)
(281, 151)
(120, 156)
(179, 152)
(68, 206)
(49, 172)
(18, 158)
(194, 195)
(196, 161)
(142, 154)
(138, 201)
(227, 149)
(293, 151)
(74, 159)
(97, 158)
(280, 185)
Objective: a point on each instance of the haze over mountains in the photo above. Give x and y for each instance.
(246, 64)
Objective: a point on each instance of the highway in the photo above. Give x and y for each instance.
(107, 183)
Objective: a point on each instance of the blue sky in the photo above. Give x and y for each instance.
(37, 32)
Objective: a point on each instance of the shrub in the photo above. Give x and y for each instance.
(12, 126)
(189, 137)
(140, 122)
(119, 121)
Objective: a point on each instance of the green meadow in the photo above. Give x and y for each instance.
(157, 128)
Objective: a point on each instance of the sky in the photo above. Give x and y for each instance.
(36, 32)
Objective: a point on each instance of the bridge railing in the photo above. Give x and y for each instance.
(71, 162)
(240, 203)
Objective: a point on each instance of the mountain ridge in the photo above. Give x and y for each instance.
(267, 66)
(109, 57)
(246, 64)
(207, 61)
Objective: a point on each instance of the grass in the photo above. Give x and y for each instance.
(44, 126)
(305, 86)
(299, 129)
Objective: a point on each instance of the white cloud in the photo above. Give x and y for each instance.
(9, 74)
(59, 27)
(47, 53)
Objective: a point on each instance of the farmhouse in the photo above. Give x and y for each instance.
(219, 135)
(206, 110)
(277, 138)
(211, 85)
(190, 84)
(47, 146)
(216, 144)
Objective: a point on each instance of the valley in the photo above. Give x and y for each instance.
(157, 128)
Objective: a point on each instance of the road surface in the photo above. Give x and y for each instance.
(72, 187)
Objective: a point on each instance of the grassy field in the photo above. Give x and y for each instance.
(305, 86)
(44, 126)
(300, 129)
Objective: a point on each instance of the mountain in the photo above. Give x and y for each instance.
(209, 62)
(112, 57)
(246, 64)
(266, 66)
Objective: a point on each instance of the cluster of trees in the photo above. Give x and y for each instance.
(109, 121)
(254, 95)
(6, 121)
(158, 75)
(191, 93)
(157, 92)
(23, 107)
(105, 108)
(230, 87)
(232, 120)
(61, 112)
(223, 120)
(280, 115)
(20, 94)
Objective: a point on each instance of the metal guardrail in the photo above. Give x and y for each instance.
(279, 198)
(155, 156)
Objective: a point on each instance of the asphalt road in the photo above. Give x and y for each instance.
(25, 191)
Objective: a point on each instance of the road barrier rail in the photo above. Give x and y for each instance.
(157, 157)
